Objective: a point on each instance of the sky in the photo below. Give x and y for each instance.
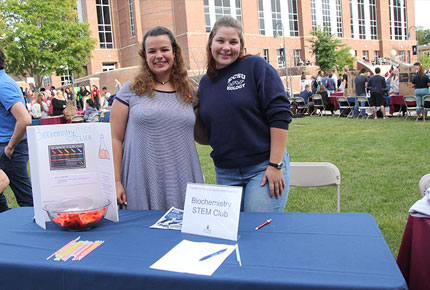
(422, 8)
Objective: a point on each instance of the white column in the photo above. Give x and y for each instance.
(267, 6)
(333, 18)
(284, 17)
(355, 19)
(367, 19)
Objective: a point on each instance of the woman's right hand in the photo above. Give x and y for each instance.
(121, 196)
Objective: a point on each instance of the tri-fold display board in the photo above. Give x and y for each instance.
(71, 161)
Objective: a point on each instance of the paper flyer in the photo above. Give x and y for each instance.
(171, 220)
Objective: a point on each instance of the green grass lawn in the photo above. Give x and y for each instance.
(380, 161)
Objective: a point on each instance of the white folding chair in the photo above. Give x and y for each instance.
(424, 183)
(363, 104)
(77, 119)
(318, 104)
(344, 104)
(411, 105)
(315, 174)
(426, 106)
(301, 105)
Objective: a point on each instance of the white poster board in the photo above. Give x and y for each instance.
(212, 210)
(71, 160)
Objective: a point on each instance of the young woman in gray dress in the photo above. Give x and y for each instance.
(152, 122)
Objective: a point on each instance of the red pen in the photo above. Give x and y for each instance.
(263, 224)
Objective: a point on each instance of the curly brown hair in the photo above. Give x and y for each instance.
(225, 21)
(144, 82)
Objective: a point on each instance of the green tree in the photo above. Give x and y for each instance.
(423, 36)
(43, 37)
(425, 60)
(329, 51)
(344, 58)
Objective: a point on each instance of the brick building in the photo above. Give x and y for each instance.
(372, 28)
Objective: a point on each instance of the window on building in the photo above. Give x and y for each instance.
(297, 59)
(46, 81)
(293, 18)
(131, 9)
(207, 16)
(339, 18)
(238, 11)
(376, 59)
(409, 56)
(222, 8)
(281, 58)
(373, 22)
(402, 55)
(314, 15)
(262, 28)
(326, 15)
(109, 66)
(104, 23)
(215, 9)
(361, 20)
(66, 79)
(398, 21)
(266, 54)
(366, 55)
(352, 19)
(276, 18)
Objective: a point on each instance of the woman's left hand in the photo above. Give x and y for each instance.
(276, 181)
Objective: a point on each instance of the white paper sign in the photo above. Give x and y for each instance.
(71, 160)
(212, 210)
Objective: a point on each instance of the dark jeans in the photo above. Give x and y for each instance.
(16, 169)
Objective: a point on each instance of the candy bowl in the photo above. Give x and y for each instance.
(76, 214)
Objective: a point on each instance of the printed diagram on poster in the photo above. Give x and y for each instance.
(71, 161)
(66, 156)
(212, 210)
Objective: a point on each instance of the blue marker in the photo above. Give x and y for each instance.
(213, 254)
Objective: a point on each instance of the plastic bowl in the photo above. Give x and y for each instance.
(76, 214)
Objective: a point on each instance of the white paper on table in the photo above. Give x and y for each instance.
(185, 256)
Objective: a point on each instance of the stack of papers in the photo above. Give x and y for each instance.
(186, 257)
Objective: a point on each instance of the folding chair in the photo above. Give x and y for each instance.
(411, 105)
(426, 105)
(344, 105)
(318, 104)
(315, 174)
(301, 105)
(77, 119)
(424, 183)
(363, 104)
(95, 118)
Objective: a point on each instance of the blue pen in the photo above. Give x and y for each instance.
(213, 254)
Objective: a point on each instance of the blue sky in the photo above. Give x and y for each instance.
(422, 8)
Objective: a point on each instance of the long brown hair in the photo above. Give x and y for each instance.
(421, 71)
(225, 21)
(144, 83)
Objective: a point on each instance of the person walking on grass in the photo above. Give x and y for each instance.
(377, 85)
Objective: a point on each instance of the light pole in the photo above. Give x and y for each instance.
(409, 36)
(285, 53)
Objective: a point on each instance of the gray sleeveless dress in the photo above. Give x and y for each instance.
(159, 156)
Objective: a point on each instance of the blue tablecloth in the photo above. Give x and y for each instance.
(296, 251)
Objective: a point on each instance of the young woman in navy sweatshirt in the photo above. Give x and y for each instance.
(244, 116)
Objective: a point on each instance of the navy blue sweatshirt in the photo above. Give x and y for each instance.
(238, 110)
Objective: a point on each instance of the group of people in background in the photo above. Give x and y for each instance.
(51, 102)
(378, 87)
